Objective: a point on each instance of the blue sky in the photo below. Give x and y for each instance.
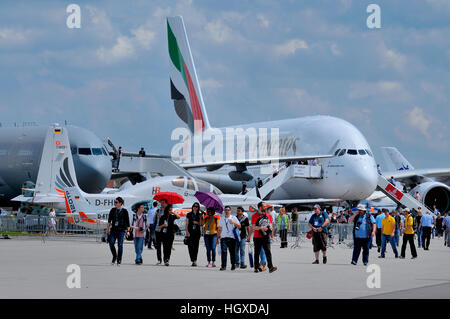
(256, 61)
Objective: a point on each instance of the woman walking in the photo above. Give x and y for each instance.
(167, 222)
(193, 222)
(210, 223)
(139, 226)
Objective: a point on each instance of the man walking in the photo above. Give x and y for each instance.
(378, 222)
(118, 222)
(283, 223)
(225, 235)
(158, 232)
(318, 223)
(387, 234)
(446, 225)
(364, 229)
(244, 238)
(151, 225)
(426, 223)
(408, 235)
(262, 227)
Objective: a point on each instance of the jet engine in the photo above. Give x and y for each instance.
(240, 176)
(433, 193)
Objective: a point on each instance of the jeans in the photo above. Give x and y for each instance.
(210, 243)
(240, 252)
(151, 236)
(447, 237)
(408, 238)
(378, 237)
(119, 235)
(228, 244)
(419, 237)
(391, 240)
(262, 256)
(262, 244)
(138, 247)
(363, 243)
(397, 237)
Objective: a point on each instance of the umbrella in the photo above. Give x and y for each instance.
(209, 199)
(172, 198)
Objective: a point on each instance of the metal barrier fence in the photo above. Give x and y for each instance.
(43, 225)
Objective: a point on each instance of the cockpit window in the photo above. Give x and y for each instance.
(352, 152)
(178, 182)
(216, 190)
(190, 184)
(203, 186)
(369, 152)
(362, 152)
(97, 151)
(84, 151)
(104, 151)
(342, 152)
(336, 153)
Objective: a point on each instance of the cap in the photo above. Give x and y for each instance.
(361, 207)
(317, 206)
(406, 209)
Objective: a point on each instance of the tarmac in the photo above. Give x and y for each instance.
(32, 268)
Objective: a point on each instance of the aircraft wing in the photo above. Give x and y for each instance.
(417, 175)
(258, 161)
(39, 200)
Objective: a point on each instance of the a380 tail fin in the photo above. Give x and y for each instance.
(184, 86)
(394, 160)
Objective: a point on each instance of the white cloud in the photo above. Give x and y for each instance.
(263, 20)
(290, 47)
(391, 58)
(219, 32)
(436, 91)
(143, 36)
(10, 36)
(300, 99)
(383, 89)
(210, 83)
(334, 49)
(122, 49)
(418, 120)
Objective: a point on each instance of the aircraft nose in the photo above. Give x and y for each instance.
(364, 181)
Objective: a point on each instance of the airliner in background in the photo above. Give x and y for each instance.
(348, 166)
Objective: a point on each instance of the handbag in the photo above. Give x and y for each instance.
(186, 240)
(129, 235)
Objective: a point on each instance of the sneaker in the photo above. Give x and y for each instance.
(113, 261)
(119, 262)
(158, 263)
(379, 249)
(273, 269)
(380, 256)
(396, 256)
(194, 264)
(243, 266)
(365, 264)
(315, 262)
(222, 268)
(401, 257)
(353, 263)
(413, 257)
(324, 260)
(166, 263)
(256, 270)
(213, 265)
(209, 265)
(233, 267)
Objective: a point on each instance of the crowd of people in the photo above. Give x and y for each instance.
(231, 234)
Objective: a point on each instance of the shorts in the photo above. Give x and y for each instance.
(319, 241)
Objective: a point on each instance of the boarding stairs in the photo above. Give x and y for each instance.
(285, 173)
(395, 194)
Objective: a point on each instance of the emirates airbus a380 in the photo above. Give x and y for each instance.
(348, 168)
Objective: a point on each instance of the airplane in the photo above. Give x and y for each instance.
(21, 152)
(57, 173)
(343, 153)
(431, 183)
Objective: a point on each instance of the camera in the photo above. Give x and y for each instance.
(141, 229)
(357, 225)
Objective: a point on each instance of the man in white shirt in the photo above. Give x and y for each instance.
(151, 226)
(225, 235)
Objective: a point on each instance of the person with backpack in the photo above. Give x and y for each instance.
(283, 223)
(364, 228)
(167, 227)
(262, 228)
(244, 238)
(139, 226)
(193, 234)
(227, 238)
(210, 223)
(118, 223)
(319, 224)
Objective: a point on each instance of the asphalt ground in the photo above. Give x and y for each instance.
(32, 268)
